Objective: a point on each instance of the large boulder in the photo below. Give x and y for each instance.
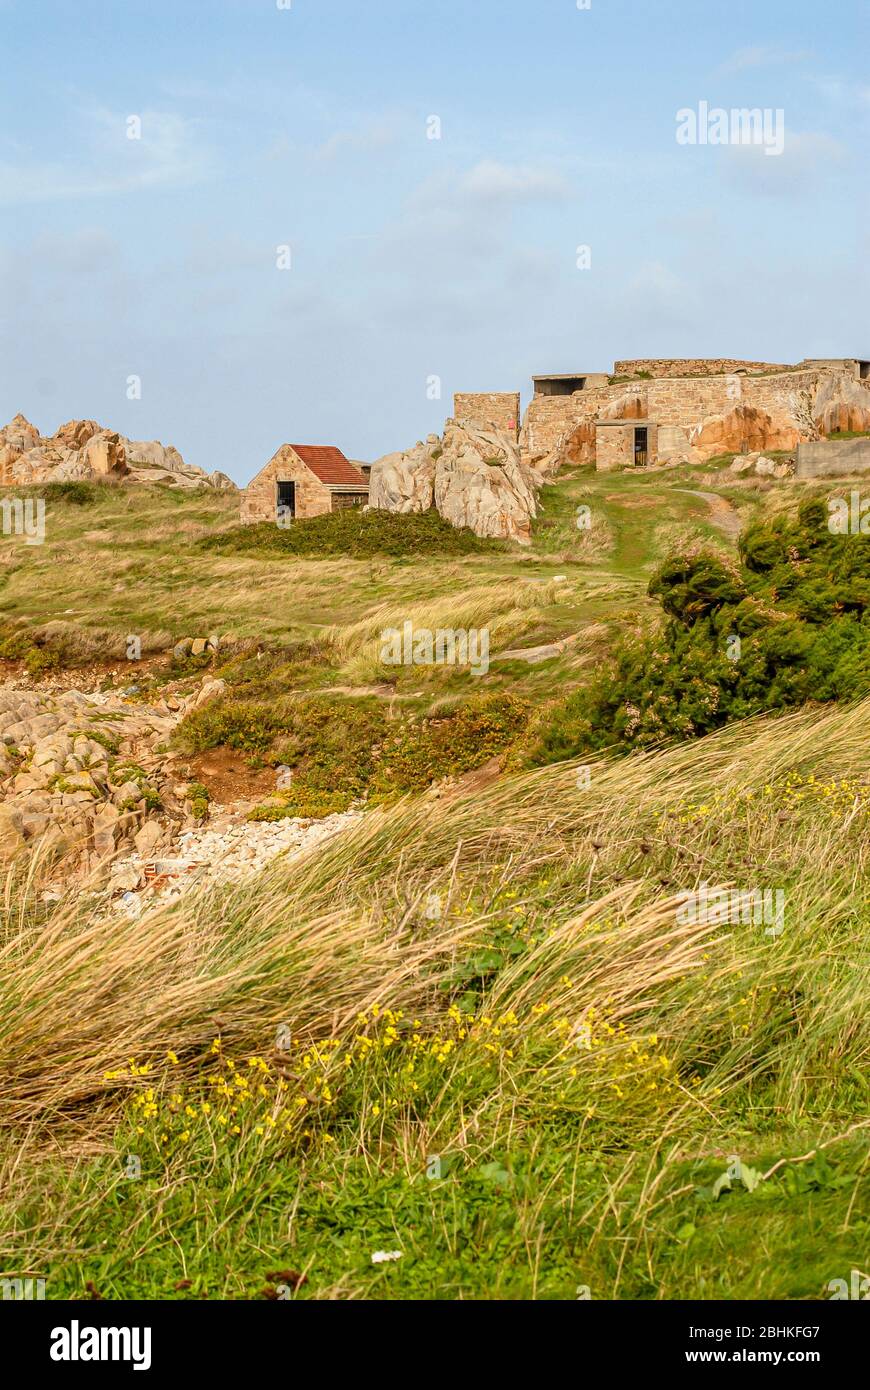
(841, 403)
(20, 435)
(105, 455)
(75, 433)
(152, 454)
(153, 462)
(481, 483)
(405, 481)
(838, 402)
(221, 481)
(745, 430)
(473, 477)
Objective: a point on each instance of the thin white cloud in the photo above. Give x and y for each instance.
(764, 56)
(168, 154)
(362, 139)
(491, 182)
(807, 159)
(844, 93)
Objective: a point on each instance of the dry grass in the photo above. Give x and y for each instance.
(313, 943)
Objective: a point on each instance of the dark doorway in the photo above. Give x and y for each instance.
(558, 385)
(286, 500)
(641, 446)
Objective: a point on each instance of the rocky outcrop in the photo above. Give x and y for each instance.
(405, 481)
(88, 788)
(841, 404)
(80, 774)
(743, 429)
(473, 477)
(82, 450)
(153, 462)
(89, 776)
(481, 483)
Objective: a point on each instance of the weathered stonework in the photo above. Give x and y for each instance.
(496, 412)
(691, 366)
(615, 444)
(699, 416)
(313, 496)
(832, 458)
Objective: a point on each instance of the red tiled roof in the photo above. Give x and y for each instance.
(328, 464)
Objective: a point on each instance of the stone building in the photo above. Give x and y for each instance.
(679, 409)
(494, 412)
(303, 480)
(624, 444)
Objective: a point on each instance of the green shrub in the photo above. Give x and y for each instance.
(72, 493)
(799, 605)
(199, 797)
(421, 752)
(355, 533)
(131, 772)
(39, 659)
(346, 750)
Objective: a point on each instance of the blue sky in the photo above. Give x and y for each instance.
(412, 258)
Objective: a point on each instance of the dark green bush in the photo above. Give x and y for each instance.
(345, 750)
(799, 605)
(354, 533)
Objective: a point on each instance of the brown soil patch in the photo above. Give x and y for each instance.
(226, 775)
(628, 502)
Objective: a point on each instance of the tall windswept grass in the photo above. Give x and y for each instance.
(506, 609)
(597, 867)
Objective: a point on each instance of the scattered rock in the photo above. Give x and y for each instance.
(209, 690)
(764, 467)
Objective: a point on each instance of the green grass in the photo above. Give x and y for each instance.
(533, 1223)
(504, 924)
(344, 750)
(569, 1159)
(355, 533)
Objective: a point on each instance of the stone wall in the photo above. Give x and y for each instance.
(614, 446)
(831, 458)
(260, 497)
(726, 413)
(691, 366)
(495, 412)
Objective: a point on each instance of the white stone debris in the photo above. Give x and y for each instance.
(229, 854)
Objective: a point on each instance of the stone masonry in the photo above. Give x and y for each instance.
(691, 366)
(260, 497)
(701, 416)
(494, 412)
(324, 482)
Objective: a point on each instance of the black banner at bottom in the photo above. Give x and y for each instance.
(83, 1339)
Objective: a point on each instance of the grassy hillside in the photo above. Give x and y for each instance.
(474, 1031)
(162, 565)
(477, 1028)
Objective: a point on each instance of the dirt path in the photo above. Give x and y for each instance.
(722, 514)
